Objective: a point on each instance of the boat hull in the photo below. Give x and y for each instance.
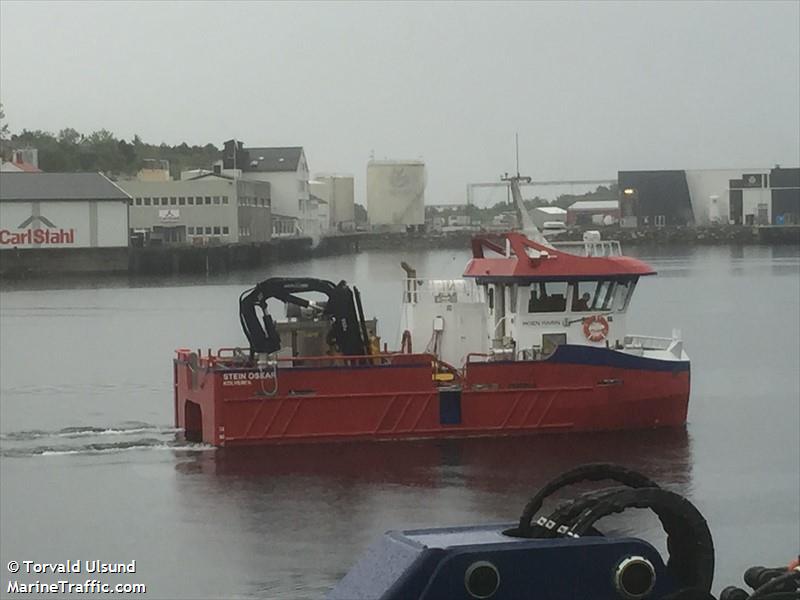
(398, 397)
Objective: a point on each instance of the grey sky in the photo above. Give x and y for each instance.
(591, 88)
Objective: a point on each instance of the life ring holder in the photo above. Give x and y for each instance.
(595, 328)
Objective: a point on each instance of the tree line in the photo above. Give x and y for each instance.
(71, 150)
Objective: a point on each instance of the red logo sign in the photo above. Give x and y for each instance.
(25, 234)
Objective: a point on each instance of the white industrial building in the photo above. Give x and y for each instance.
(294, 212)
(210, 209)
(396, 192)
(709, 193)
(548, 214)
(338, 191)
(48, 211)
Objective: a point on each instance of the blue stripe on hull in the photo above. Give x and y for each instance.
(606, 357)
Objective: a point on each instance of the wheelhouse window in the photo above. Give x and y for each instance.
(548, 296)
(599, 296)
(622, 294)
(604, 295)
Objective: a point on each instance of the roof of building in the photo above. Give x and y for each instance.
(598, 205)
(210, 175)
(59, 186)
(529, 261)
(273, 159)
(551, 210)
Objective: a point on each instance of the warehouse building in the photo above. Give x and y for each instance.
(765, 198)
(707, 196)
(593, 213)
(209, 209)
(548, 214)
(62, 222)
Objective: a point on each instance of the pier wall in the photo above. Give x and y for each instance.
(173, 260)
(22, 262)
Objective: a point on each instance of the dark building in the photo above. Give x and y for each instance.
(755, 196)
(785, 185)
(766, 199)
(655, 198)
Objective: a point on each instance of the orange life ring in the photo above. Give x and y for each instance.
(595, 328)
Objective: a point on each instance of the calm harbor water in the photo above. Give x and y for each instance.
(90, 467)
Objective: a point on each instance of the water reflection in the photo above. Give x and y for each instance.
(490, 464)
(301, 514)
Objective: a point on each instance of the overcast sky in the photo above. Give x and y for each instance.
(591, 88)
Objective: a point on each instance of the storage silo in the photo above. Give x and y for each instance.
(396, 192)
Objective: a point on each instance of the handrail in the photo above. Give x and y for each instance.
(608, 247)
(471, 354)
(219, 357)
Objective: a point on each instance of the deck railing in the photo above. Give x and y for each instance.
(439, 290)
(647, 342)
(591, 248)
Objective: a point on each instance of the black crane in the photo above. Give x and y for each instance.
(348, 330)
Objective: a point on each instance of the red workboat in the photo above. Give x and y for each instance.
(532, 339)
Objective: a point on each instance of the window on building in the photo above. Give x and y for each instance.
(660, 220)
(224, 199)
(147, 201)
(164, 201)
(190, 230)
(138, 202)
(181, 201)
(216, 200)
(173, 200)
(208, 230)
(225, 231)
(208, 199)
(190, 200)
(548, 296)
(217, 230)
(300, 204)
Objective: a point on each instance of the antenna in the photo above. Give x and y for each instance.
(516, 137)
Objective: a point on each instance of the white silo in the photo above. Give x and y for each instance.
(396, 192)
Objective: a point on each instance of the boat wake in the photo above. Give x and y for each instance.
(78, 432)
(94, 440)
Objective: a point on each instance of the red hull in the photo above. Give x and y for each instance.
(222, 405)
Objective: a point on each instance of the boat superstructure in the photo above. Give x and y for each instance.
(520, 300)
(533, 338)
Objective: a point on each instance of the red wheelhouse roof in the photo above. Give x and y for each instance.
(529, 261)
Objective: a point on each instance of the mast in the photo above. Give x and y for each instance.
(525, 221)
